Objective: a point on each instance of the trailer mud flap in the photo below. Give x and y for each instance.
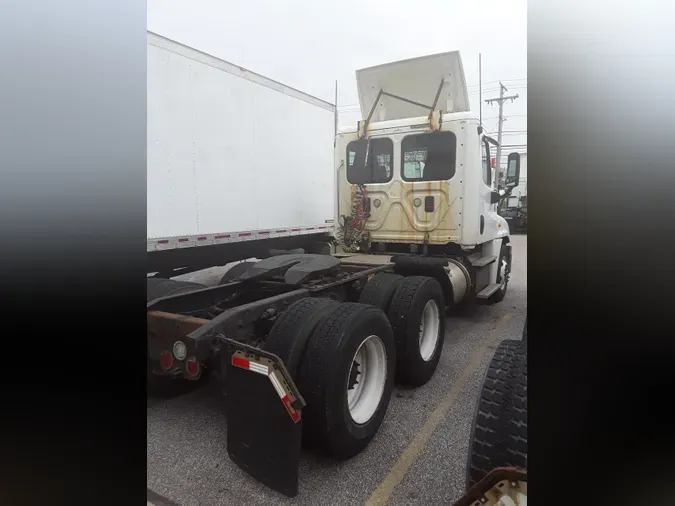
(264, 417)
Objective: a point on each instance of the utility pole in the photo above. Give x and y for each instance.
(335, 119)
(501, 101)
(480, 91)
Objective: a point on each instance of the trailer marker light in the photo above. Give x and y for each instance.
(179, 350)
(192, 366)
(166, 360)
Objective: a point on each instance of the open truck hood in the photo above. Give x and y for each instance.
(416, 79)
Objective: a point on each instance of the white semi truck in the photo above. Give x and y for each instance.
(307, 346)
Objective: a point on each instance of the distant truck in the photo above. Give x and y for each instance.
(307, 347)
(514, 207)
(238, 164)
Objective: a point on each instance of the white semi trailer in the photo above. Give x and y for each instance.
(238, 164)
(307, 346)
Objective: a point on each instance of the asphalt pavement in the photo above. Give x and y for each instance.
(418, 455)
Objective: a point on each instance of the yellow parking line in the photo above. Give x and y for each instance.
(385, 489)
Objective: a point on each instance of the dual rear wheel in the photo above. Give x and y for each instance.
(344, 357)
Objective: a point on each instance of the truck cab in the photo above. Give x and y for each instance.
(414, 176)
(424, 186)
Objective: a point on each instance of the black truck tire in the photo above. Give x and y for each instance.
(162, 287)
(417, 299)
(235, 271)
(291, 331)
(379, 290)
(503, 262)
(329, 370)
(499, 432)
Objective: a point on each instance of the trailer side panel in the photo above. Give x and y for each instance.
(230, 151)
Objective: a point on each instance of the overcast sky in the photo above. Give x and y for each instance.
(309, 44)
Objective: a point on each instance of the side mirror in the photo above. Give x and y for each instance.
(495, 197)
(513, 170)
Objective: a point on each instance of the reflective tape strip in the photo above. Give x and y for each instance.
(260, 369)
(284, 395)
(164, 243)
(295, 416)
(242, 363)
(273, 376)
(277, 384)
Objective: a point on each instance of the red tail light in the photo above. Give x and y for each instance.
(166, 360)
(192, 367)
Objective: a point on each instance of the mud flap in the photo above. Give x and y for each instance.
(264, 420)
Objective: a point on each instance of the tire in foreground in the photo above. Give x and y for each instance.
(417, 316)
(347, 377)
(499, 433)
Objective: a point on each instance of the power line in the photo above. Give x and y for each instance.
(517, 87)
(509, 116)
(500, 121)
(503, 80)
(357, 108)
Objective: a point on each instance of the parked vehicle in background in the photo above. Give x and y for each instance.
(514, 207)
(221, 141)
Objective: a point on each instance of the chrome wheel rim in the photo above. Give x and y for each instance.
(366, 380)
(430, 327)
